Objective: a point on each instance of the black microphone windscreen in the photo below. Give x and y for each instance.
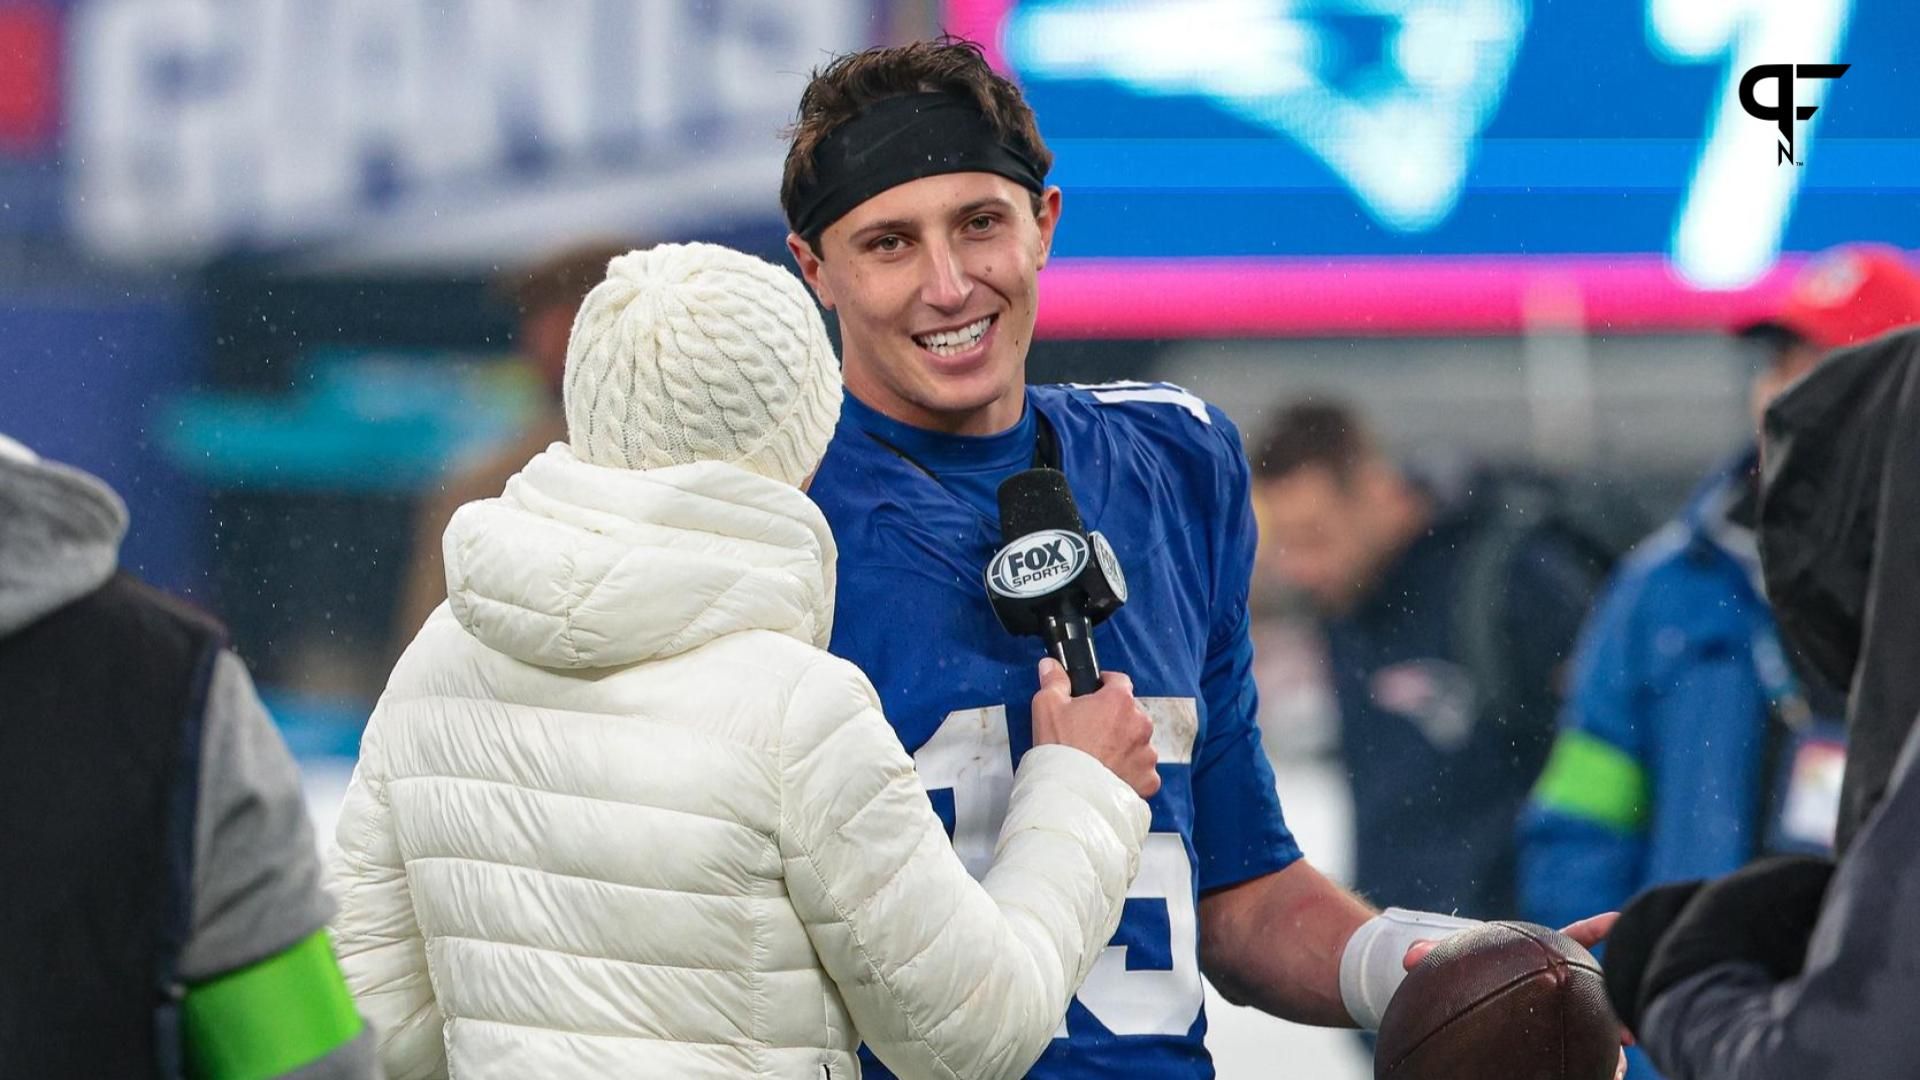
(1034, 500)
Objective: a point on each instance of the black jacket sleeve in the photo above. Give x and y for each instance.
(1851, 1011)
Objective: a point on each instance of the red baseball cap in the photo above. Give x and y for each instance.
(1845, 296)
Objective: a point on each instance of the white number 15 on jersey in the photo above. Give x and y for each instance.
(970, 756)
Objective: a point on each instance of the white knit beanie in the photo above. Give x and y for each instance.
(696, 352)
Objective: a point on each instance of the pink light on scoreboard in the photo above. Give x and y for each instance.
(29, 77)
(980, 21)
(1141, 298)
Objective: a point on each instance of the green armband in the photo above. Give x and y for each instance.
(270, 1018)
(1591, 778)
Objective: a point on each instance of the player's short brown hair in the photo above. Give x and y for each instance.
(1314, 433)
(838, 91)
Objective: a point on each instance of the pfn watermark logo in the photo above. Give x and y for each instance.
(1782, 112)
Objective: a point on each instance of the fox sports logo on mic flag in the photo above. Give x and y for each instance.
(1036, 563)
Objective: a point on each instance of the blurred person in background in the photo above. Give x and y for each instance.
(916, 193)
(545, 297)
(1299, 717)
(619, 813)
(1793, 966)
(1689, 744)
(163, 913)
(1450, 597)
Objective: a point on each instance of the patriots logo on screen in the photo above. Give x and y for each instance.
(1390, 94)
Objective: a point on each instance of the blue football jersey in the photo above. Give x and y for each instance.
(1162, 475)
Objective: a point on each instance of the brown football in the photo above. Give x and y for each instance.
(1503, 1001)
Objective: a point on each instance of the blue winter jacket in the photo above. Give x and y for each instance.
(1657, 770)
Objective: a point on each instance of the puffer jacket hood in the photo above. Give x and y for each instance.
(60, 532)
(579, 566)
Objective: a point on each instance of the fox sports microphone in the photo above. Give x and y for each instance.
(1052, 578)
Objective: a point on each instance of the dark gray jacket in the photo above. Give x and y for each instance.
(1840, 539)
(1854, 1013)
(256, 879)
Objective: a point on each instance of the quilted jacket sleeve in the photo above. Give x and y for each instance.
(946, 977)
(381, 949)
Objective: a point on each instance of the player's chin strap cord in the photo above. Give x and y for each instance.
(1373, 964)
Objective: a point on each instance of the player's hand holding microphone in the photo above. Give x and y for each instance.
(1055, 580)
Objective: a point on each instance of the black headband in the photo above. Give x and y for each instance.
(898, 139)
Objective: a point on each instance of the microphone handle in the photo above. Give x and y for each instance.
(1070, 640)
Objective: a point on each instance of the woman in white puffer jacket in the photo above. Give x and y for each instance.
(619, 813)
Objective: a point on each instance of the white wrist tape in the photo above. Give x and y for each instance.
(1374, 962)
